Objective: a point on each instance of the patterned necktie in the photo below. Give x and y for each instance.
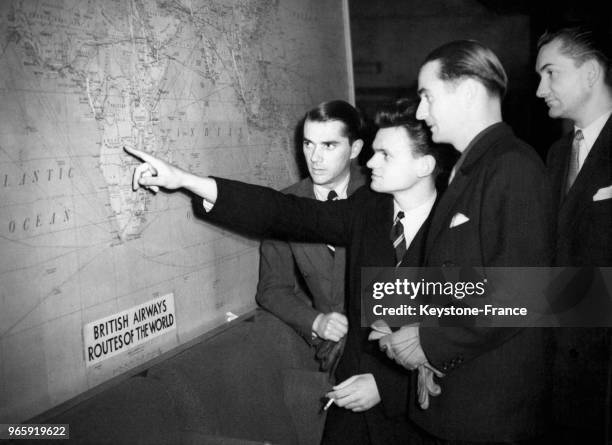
(332, 196)
(398, 239)
(574, 161)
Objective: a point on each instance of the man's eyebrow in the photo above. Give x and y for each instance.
(330, 142)
(543, 67)
(421, 91)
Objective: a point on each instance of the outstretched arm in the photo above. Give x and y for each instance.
(154, 173)
(251, 209)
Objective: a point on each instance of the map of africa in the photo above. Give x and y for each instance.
(215, 86)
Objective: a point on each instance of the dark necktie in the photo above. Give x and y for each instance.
(574, 161)
(397, 238)
(332, 196)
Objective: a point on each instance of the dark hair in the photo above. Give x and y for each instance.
(339, 110)
(581, 43)
(402, 113)
(469, 58)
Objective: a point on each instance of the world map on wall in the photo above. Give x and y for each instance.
(214, 86)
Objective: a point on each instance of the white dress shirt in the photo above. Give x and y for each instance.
(341, 189)
(590, 134)
(414, 218)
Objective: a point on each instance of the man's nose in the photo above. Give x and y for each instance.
(542, 89)
(316, 154)
(421, 112)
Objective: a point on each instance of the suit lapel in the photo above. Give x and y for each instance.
(594, 174)
(356, 180)
(305, 189)
(414, 255)
(442, 212)
(481, 145)
(318, 254)
(559, 169)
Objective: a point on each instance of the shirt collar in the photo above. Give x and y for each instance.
(341, 189)
(414, 218)
(591, 131)
(417, 212)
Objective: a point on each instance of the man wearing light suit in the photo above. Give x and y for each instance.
(303, 283)
(576, 83)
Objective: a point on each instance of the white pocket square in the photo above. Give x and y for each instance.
(458, 219)
(603, 193)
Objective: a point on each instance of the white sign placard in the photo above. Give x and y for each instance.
(125, 330)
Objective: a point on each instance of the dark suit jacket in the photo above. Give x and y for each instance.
(363, 224)
(496, 382)
(584, 238)
(282, 292)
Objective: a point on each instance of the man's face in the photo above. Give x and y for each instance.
(328, 152)
(440, 106)
(563, 84)
(394, 167)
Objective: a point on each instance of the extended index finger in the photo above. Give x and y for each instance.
(143, 156)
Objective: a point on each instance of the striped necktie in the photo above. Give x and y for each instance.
(332, 196)
(574, 162)
(398, 239)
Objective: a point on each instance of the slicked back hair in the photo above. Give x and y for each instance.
(470, 59)
(581, 43)
(339, 110)
(402, 113)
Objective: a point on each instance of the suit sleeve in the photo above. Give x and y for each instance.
(515, 230)
(517, 219)
(392, 380)
(279, 291)
(264, 212)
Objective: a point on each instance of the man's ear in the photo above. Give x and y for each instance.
(593, 71)
(356, 147)
(426, 166)
(469, 90)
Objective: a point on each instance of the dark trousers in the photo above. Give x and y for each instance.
(343, 426)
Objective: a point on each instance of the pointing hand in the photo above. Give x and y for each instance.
(154, 173)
